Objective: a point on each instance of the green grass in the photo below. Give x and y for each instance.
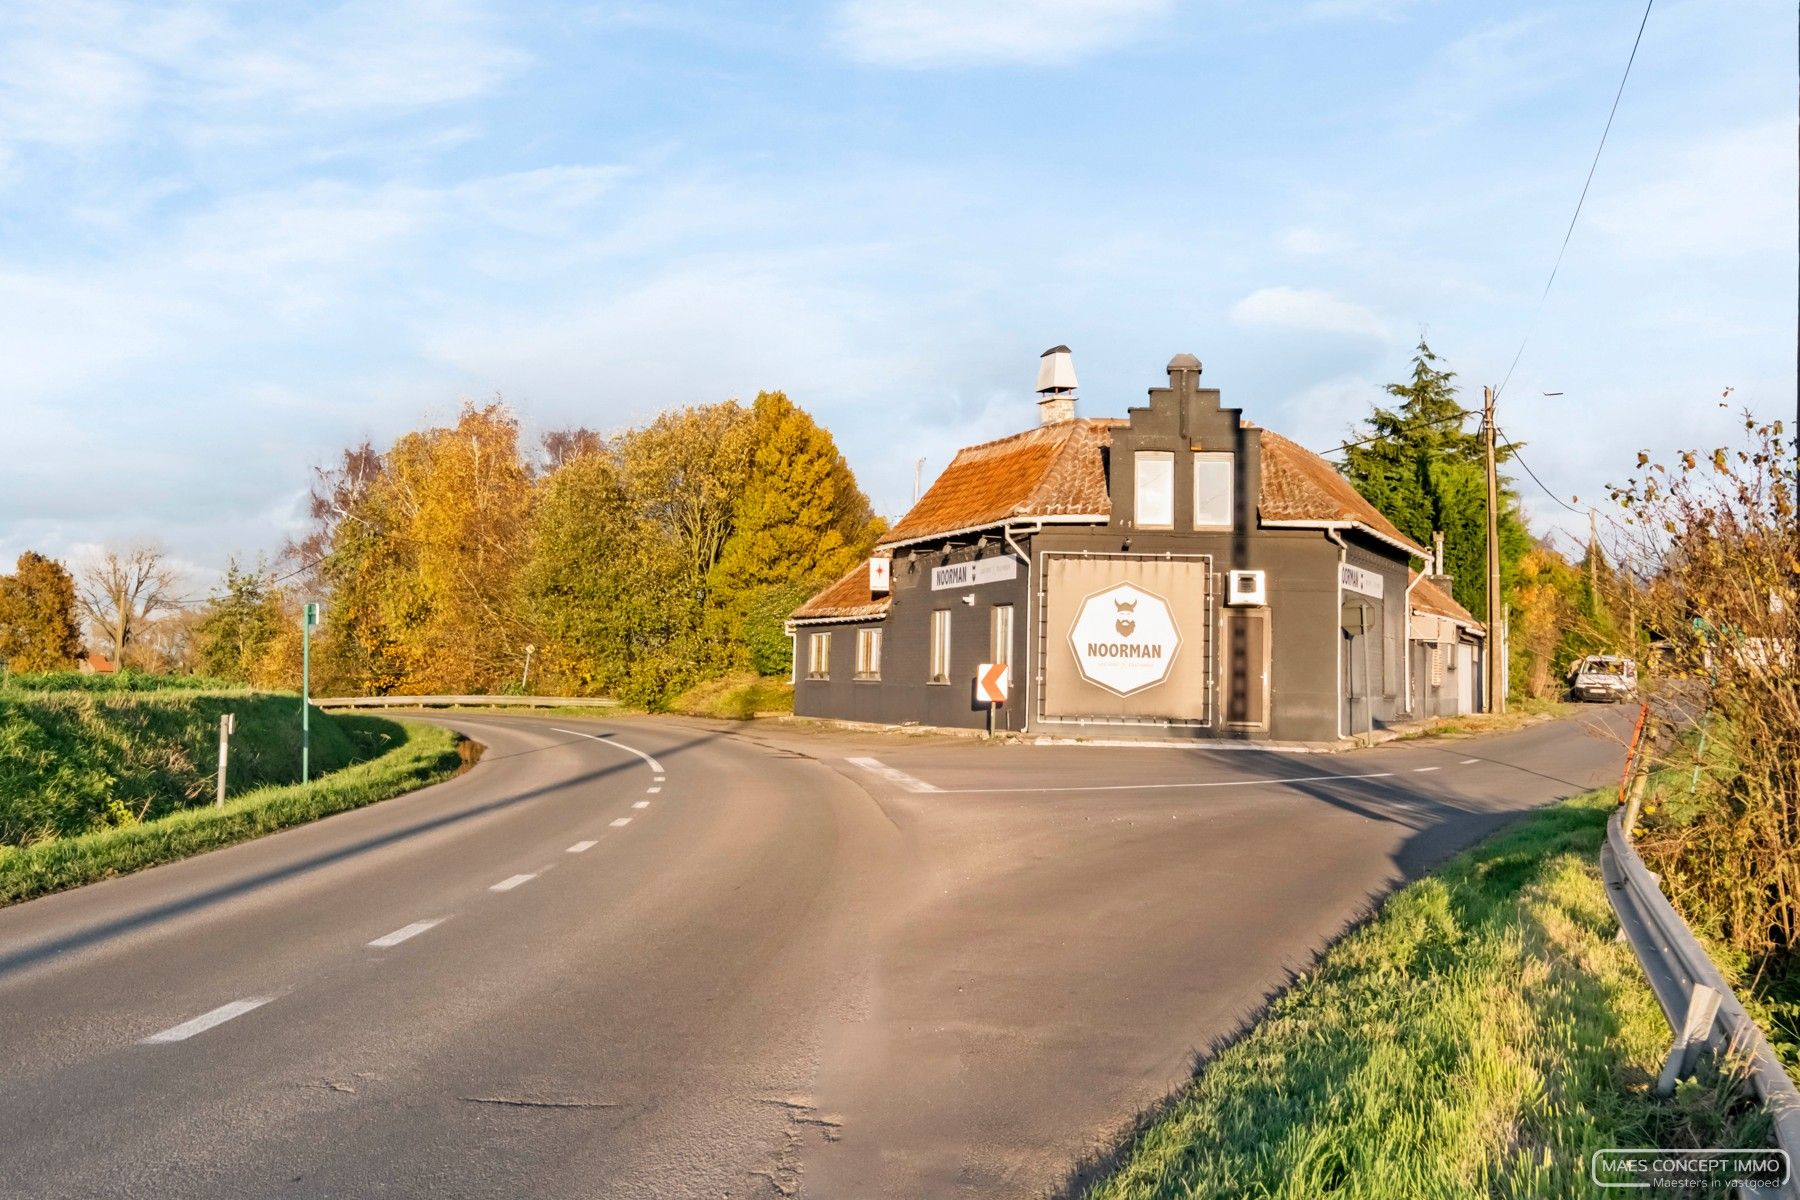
(77, 761)
(1481, 1035)
(736, 697)
(415, 754)
(123, 681)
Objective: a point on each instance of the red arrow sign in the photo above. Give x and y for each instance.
(991, 681)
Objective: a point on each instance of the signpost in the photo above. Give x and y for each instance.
(227, 727)
(991, 681)
(307, 623)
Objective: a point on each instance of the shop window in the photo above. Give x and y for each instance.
(1215, 501)
(818, 656)
(1000, 634)
(940, 646)
(1155, 507)
(868, 654)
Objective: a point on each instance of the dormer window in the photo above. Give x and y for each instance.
(1214, 496)
(1154, 506)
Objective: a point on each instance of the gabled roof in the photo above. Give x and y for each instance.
(846, 600)
(1429, 598)
(1057, 471)
(1301, 488)
(1051, 471)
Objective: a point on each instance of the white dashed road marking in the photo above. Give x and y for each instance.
(1467, 761)
(1422, 770)
(400, 935)
(875, 766)
(592, 737)
(640, 804)
(581, 847)
(622, 821)
(507, 885)
(205, 1021)
(653, 791)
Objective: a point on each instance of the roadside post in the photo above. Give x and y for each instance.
(991, 680)
(307, 623)
(227, 727)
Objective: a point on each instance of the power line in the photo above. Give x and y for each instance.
(1514, 451)
(1586, 184)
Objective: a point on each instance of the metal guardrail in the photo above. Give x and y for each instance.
(1700, 1006)
(462, 701)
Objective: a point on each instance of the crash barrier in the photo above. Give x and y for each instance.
(1703, 1013)
(463, 701)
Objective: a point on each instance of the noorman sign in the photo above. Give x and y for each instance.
(1125, 639)
(970, 574)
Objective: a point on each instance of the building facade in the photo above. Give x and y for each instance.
(1178, 573)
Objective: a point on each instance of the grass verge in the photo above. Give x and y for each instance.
(736, 697)
(1481, 1035)
(418, 754)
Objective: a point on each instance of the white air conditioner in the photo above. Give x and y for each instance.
(1247, 588)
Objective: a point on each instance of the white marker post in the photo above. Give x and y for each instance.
(227, 727)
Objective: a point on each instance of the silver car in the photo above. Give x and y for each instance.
(1604, 678)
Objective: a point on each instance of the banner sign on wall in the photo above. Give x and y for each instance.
(1126, 638)
(973, 574)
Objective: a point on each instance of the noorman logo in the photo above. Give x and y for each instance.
(1124, 639)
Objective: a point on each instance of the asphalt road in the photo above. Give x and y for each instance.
(643, 958)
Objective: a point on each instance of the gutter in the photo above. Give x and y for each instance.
(1031, 617)
(1337, 648)
(1406, 641)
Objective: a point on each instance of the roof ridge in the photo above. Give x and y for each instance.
(1069, 426)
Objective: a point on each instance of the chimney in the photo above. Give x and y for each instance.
(1434, 569)
(1056, 386)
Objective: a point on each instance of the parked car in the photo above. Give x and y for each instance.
(1604, 678)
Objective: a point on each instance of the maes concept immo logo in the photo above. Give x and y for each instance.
(1124, 639)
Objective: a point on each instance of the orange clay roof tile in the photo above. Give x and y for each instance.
(846, 600)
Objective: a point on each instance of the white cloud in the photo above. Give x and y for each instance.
(958, 33)
(1307, 241)
(1306, 310)
(1728, 194)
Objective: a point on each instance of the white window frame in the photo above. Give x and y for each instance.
(818, 655)
(1000, 634)
(1165, 461)
(1230, 462)
(868, 654)
(940, 646)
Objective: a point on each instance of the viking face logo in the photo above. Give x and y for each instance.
(1125, 624)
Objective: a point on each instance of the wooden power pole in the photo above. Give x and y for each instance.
(1495, 656)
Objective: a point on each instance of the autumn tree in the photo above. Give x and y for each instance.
(800, 522)
(39, 630)
(1426, 473)
(121, 590)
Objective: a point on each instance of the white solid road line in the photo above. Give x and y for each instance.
(1145, 787)
(594, 737)
(400, 935)
(640, 804)
(507, 885)
(205, 1021)
(875, 766)
(581, 847)
(1421, 770)
(622, 821)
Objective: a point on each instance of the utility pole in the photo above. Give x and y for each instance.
(1496, 665)
(918, 478)
(308, 620)
(1593, 561)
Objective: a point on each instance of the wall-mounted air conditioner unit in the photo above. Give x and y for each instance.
(1247, 588)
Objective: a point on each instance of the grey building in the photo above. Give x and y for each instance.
(1179, 572)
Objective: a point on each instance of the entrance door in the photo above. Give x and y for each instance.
(1244, 667)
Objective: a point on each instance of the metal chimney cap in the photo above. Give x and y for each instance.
(1056, 371)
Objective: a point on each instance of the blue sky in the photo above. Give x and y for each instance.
(236, 238)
